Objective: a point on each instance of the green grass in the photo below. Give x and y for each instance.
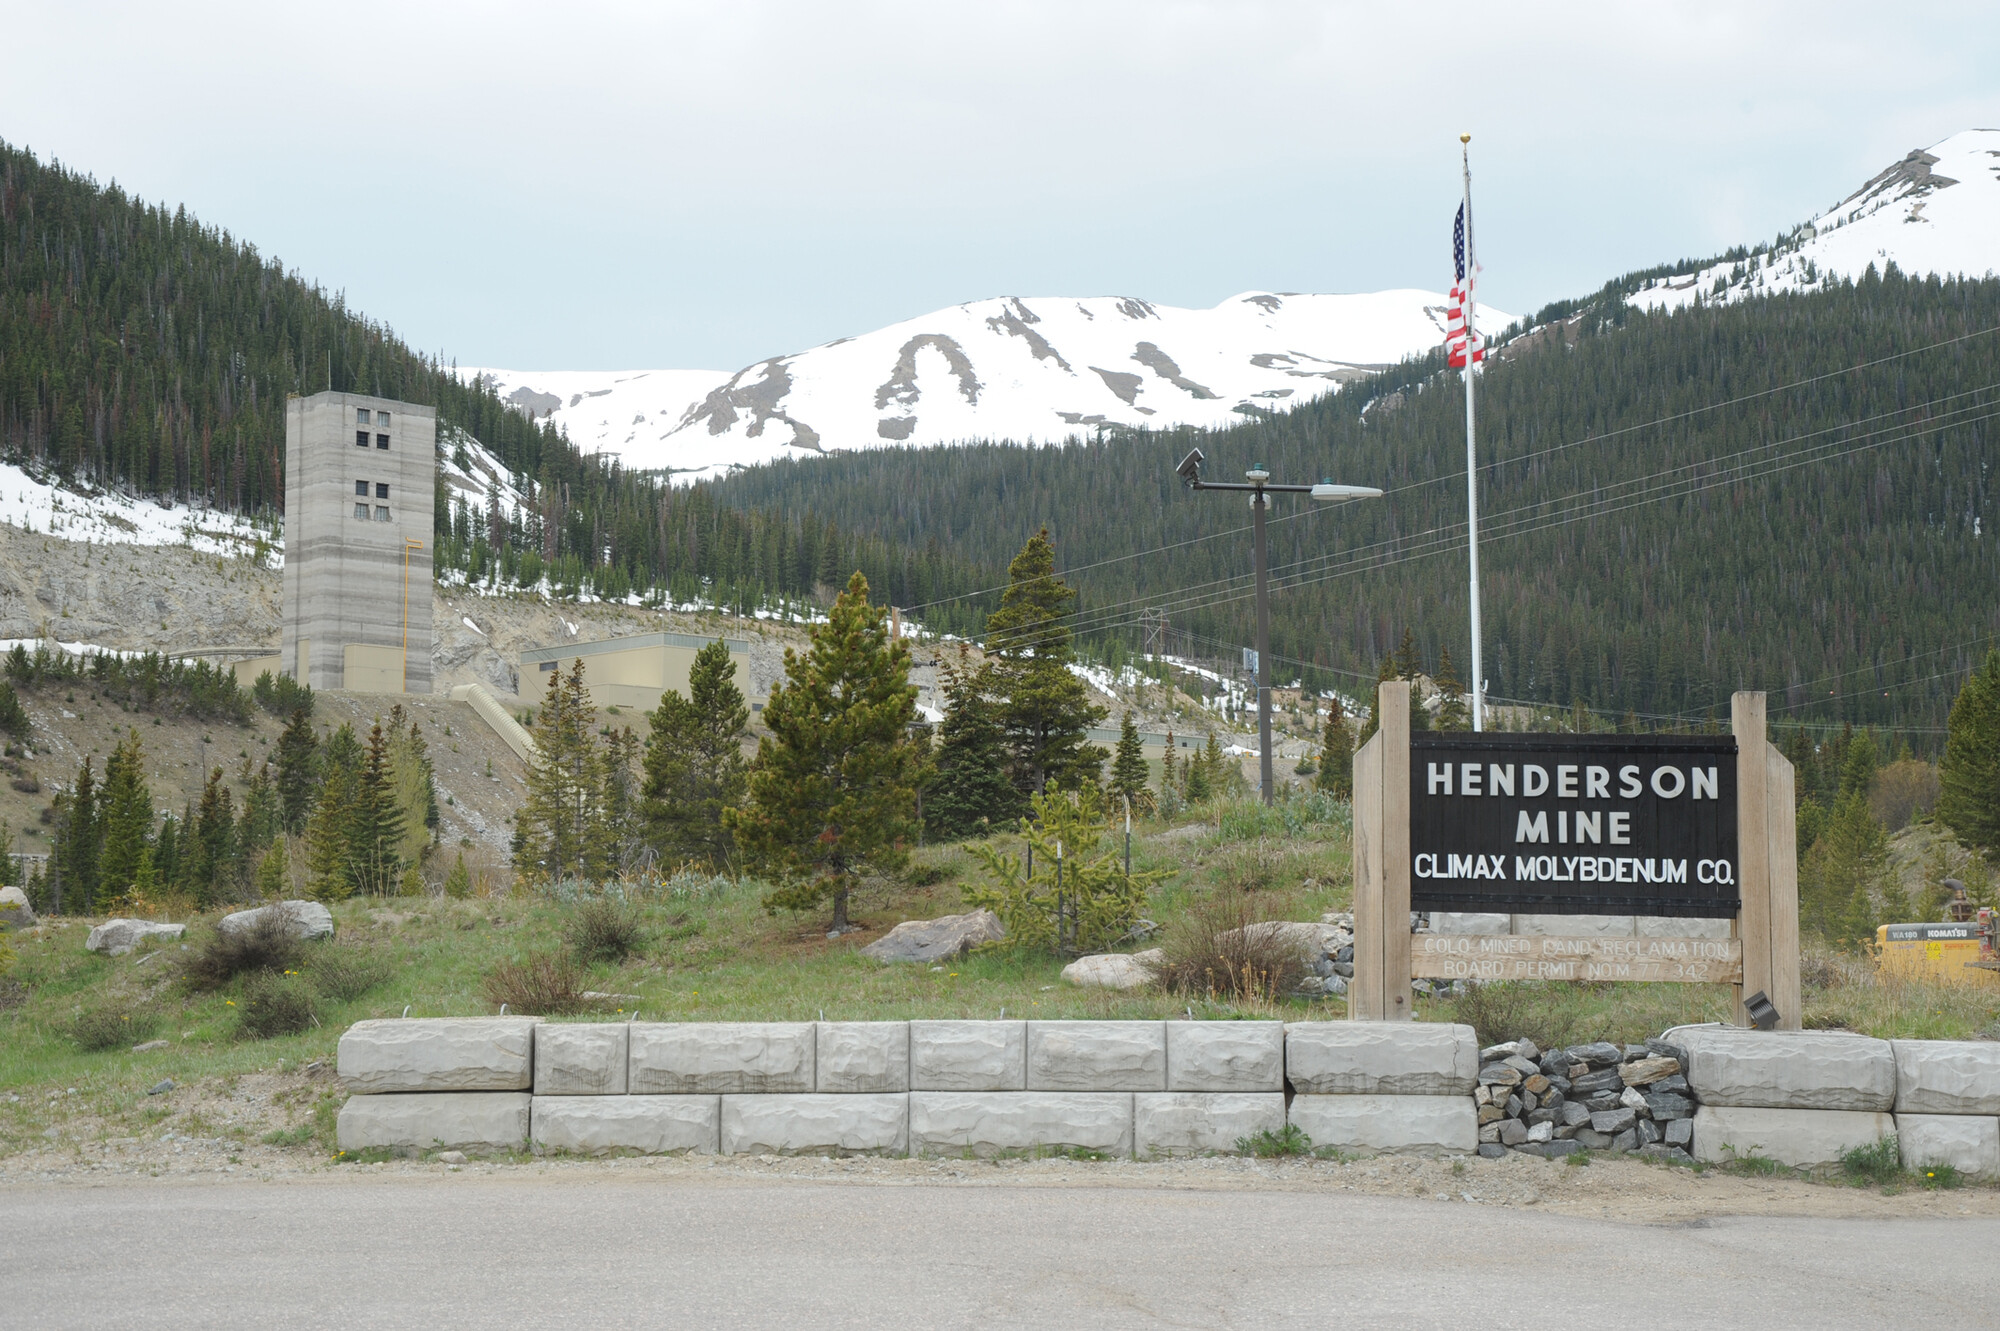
(1268, 1145)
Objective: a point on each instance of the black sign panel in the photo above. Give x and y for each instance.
(1574, 824)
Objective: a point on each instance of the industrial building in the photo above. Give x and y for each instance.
(633, 672)
(360, 485)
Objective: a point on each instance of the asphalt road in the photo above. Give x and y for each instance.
(501, 1252)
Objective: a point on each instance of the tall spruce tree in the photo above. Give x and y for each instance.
(128, 819)
(414, 785)
(376, 823)
(694, 763)
(329, 837)
(208, 869)
(1044, 707)
(969, 793)
(298, 770)
(79, 841)
(1336, 753)
(1969, 775)
(1128, 767)
(558, 829)
(832, 794)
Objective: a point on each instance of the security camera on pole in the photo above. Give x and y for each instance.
(1259, 488)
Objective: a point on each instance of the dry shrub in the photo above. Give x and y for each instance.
(1554, 1016)
(274, 1005)
(1222, 948)
(545, 984)
(268, 945)
(603, 929)
(344, 973)
(111, 1028)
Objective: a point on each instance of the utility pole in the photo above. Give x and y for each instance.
(1257, 483)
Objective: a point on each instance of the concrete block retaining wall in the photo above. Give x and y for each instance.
(1140, 1088)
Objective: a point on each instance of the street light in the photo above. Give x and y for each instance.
(1258, 486)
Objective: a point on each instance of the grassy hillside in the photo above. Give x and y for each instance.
(1790, 494)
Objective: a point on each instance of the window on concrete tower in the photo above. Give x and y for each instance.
(381, 490)
(361, 415)
(361, 438)
(361, 488)
(361, 511)
(381, 512)
(381, 441)
(381, 418)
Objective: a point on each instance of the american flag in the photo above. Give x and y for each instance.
(1461, 296)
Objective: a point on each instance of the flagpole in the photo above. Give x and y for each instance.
(1471, 456)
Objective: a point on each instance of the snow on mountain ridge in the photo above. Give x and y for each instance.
(1935, 211)
(1023, 368)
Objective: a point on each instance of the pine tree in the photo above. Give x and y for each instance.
(694, 764)
(209, 867)
(1452, 713)
(565, 784)
(1045, 708)
(832, 793)
(414, 786)
(166, 857)
(1969, 775)
(329, 838)
(376, 823)
(128, 818)
(263, 815)
(1202, 769)
(79, 843)
(1409, 662)
(968, 793)
(1336, 757)
(1170, 774)
(1128, 768)
(298, 770)
(272, 873)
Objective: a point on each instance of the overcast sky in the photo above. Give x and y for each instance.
(614, 186)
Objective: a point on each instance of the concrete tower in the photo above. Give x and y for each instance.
(360, 483)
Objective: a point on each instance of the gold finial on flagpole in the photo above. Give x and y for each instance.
(1465, 138)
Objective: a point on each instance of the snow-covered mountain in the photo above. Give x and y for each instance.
(1936, 211)
(1027, 369)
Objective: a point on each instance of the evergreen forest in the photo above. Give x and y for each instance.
(1789, 494)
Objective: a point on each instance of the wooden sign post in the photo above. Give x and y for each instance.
(1579, 845)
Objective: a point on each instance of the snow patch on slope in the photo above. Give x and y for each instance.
(1935, 211)
(108, 517)
(1025, 369)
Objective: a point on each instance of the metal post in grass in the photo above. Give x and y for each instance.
(1128, 835)
(1260, 489)
(1063, 931)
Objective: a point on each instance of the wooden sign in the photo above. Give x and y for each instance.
(1518, 957)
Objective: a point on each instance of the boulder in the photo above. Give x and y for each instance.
(1803, 1137)
(307, 921)
(648, 1124)
(441, 1054)
(1947, 1076)
(580, 1059)
(1225, 1056)
(1097, 1056)
(1469, 922)
(469, 1120)
(1311, 941)
(815, 1124)
(937, 940)
(1575, 926)
(1393, 1058)
(968, 1055)
(1114, 970)
(1195, 1124)
(862, 1057)
(114, 938)
(1420, 1124)
(1748, 1069)
(721, 1057)
(1968, 1143)
(15, 912)
(987, 1123)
